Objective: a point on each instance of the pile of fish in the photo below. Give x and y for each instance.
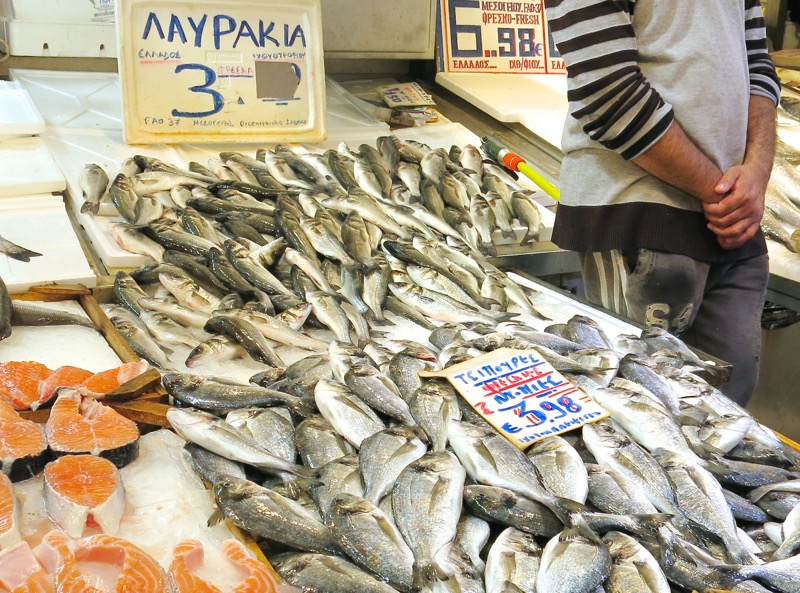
(357, 474)
(781, 219)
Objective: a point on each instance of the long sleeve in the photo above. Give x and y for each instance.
(607, 92)
(763, 79)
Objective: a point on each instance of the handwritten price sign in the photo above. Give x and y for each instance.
(501, 37)
(521, 395)
(205, 70)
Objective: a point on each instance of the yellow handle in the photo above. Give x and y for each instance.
(550, 189)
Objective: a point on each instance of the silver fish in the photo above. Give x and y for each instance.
(338, 476)
(350, 417)
(505, 507)
(210, 466)
(384, 455)
(172, 309)
(633, 568)
(575, 546)
(215, 349)
(272, 428)
(320, 572)
(472, 536)
(221, 438)
(560, 468)
(318, 442)
(528, 214)
(166, 331)
(377, 390)
(437, 478)
(266, 513)
(433, 405)
(371, 540)
(141, 342)
(92, 183)
(513, 563)
(612, 493)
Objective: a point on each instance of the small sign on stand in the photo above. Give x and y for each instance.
(216, 71)
(521, 395)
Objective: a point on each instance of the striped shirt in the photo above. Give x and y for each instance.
(634, 67)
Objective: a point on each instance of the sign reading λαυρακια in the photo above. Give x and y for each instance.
(521, 395)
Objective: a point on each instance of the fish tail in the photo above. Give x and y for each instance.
(794, 242)
(426, 573)
(509, 233)
(90, 208)
(531, 235)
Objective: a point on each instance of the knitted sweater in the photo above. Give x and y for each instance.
(632, 68)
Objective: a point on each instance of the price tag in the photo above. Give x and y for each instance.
(500, 37)
(217, 71)
(521, 395)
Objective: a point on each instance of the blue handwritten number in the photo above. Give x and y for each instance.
(211, 78)
(506, 35)
(550, 407)
(569, 404)
(456, 30)
(526, 43)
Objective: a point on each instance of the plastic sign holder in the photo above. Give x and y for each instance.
(521, 395)
(195, 71)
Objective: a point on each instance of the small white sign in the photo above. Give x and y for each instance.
(521, 395)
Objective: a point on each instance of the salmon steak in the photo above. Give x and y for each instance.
(65, 376)
(9, 514)
(81, 490)
(23, 448)
(101, 383)
(187, 559)
(19, 383)
(20, 571)
(80, 424)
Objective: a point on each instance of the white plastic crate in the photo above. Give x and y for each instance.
(61, 39)
(61, 11)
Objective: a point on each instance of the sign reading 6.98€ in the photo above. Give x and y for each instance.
(500, 37)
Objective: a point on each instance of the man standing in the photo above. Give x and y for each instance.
(667, 155)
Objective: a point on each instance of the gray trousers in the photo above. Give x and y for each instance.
(713, 307)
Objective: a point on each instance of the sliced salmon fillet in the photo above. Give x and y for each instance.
(65, 376)
(58, 559)
(80, 424)
(187, 558)
(138, 571)
(103, 382)
(9, 514)
(23, 449)
(257, 577)
(19, 382)
(20, 571)
(84, 488)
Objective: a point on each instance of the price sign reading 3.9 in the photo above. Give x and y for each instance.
(206, 70)
(501, 37)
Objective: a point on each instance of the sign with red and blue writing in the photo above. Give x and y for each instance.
(521, 395)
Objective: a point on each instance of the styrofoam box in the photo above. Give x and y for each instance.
(61, 39)
(68, 11)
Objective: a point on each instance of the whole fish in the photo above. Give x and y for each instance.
(166, 331)
(246, 334)
(222, 438)
(350, 417)
(321, 572)
(528, 214)
(5, 311)
(127, 292)
(513, 562)
(210, 466)
(32, 313)
(612, 493)
(437, 478)
(384, 454)
(318, 442)
(266, 513)
(141, 343)
(278, 331)
(560, 468)
(472, 535)
(575, 546)
(371, 540)
(215, 349)
(131, 239)
(272, 428)
(503, 506)
(338, 476)
(633, 567)
(378, 391)
(92, 183)
(433, 405)
(172, 309)
(216, 396)
(490, 458)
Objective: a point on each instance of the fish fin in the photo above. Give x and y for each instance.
(310, 473)
(216, 517)
(564, 509)
(304, 407)
(509, 234)
(531, 236)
